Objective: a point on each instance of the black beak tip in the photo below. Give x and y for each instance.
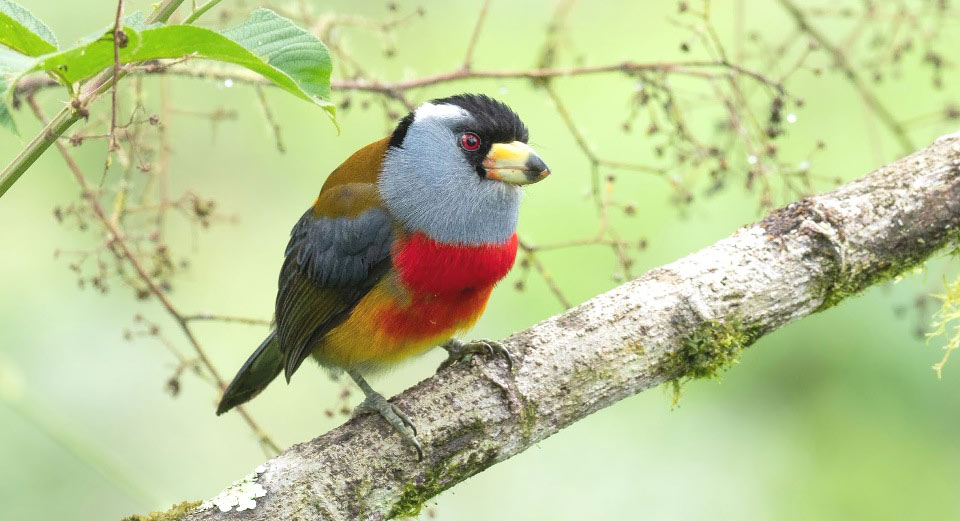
(536, 169)
(535, 164)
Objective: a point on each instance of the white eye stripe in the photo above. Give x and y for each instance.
(444, 111)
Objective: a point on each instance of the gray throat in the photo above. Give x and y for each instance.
(438, 199)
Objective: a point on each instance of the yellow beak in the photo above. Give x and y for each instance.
(514, 163)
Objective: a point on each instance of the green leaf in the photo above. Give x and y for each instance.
(6, 119)
(138, 21)
(84, 61)
(268, 44)
(12, 65)
(288, 48)
(290, 57)
(22, 32)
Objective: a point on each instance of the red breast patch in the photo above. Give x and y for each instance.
(428, 266)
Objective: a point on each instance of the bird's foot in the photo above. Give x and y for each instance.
(463, 351)
(375, 402)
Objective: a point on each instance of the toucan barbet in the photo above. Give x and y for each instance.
(401, 250)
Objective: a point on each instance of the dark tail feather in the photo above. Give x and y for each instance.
(257, 372)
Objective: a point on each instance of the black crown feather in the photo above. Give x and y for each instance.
(495, 121)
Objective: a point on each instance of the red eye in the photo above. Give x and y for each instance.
(469, 141)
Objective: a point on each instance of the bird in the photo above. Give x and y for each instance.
(400, 251)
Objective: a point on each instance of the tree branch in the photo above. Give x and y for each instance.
(688, 319)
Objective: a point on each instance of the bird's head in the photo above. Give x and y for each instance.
(454, 167)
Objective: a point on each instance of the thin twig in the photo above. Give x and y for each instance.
(226, 318)
(119, 245)
(118, 36)
(532, 258)
(271, 121)
(468, 57)
(841, 61)
(699, 69)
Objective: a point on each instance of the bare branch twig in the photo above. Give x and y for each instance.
(841, 61)
(118, 244)
(468, 58)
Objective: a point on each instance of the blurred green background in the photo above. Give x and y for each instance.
(838, 416)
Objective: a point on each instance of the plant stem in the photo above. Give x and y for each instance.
(200, 11)
(68, 115)
(163, 12)
(52, 131)
(40, 143)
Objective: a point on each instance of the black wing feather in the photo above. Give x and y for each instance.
(331, 263)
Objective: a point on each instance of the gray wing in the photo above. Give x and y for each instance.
(331, 263)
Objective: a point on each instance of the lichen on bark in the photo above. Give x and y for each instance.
(175, 513)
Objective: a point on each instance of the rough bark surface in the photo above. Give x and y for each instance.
(683, 320)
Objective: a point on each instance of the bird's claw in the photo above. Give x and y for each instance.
(394, 416)
(463, 351)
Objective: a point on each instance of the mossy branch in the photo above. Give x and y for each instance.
(685, 320)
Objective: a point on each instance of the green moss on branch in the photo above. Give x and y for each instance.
(435, 480)
(710, 349)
